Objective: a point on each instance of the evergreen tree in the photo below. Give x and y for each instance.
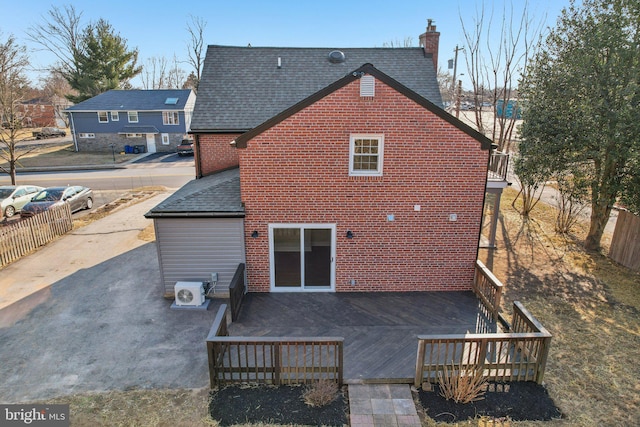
(102, 63)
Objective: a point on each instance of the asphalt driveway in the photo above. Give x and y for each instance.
(86, 314)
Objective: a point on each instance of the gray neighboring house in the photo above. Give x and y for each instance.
(202, 231)
(147, 120)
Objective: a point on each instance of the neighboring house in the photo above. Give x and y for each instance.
(326, 170)
(150, 120)
(38, 112)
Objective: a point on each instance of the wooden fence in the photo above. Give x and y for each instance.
(236, 292)
(488, 289)
(271, 360)
(517, 355)
(625, 244)
(26, 235)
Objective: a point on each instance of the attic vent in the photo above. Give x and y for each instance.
(336, 57)
(367, 86)
(171, 101)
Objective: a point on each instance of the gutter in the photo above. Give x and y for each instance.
(194, 214)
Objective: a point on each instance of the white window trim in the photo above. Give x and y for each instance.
(301, 226)
(106, 115)
(115, 116)
(165, 139)
(168, 116)
(129, 113)
(378, 171)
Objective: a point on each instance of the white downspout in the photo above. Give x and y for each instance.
(73, 132)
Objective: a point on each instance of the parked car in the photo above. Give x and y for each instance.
(14, 197)
(77, 197)
(49, 133)
(185, 147)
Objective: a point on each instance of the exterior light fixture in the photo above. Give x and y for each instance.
(254, 234)
(349, 234)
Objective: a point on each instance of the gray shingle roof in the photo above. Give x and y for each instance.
(216, 195)
(134, 100)
(242, 87)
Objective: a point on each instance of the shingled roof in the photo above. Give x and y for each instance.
(134, 100)
(242, 87)
(216, 195)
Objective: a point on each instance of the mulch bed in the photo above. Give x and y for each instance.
(275, 405)
(517, 401)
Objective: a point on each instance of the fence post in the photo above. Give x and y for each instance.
(417, 381)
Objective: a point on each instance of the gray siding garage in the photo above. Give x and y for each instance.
(190, 249)
(200, 231)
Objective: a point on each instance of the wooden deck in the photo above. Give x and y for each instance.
(380, 329)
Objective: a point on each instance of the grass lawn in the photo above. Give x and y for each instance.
(62, 154)
(590, 305)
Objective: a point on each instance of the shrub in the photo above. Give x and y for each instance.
(462, 385)
(320, 393)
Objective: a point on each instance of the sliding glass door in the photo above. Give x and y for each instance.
(302, 257)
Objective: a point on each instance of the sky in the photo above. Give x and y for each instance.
(157, 28)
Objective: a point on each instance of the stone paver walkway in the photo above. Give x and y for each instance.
(385, 405)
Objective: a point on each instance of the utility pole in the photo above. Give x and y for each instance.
(455, 66)
(458, 96)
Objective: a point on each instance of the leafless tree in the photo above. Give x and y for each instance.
(55, 87)
(195, 46)
(60, 34)
(494, 67)
(160, 73)
(407, 42)
(14, 88)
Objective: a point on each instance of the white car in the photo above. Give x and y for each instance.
(14, 197)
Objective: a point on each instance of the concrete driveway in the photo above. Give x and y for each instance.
(86, 314)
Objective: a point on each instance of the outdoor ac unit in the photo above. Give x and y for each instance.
(189, 293)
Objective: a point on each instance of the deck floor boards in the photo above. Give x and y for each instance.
(379, 329)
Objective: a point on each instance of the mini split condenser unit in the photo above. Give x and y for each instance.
(189, 293)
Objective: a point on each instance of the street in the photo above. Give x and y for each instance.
(170, 171)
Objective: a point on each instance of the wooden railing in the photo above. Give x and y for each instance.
(498, 166)
(488, 289)
(518, 355)
(272, 360)
(26, 235)
(236, 292)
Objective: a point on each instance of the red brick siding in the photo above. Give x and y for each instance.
(298, 172)
(215, 153)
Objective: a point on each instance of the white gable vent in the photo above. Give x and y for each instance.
(367, 86)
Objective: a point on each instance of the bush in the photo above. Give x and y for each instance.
(320, 393)
(462, 385)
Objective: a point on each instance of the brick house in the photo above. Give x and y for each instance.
(327, 170)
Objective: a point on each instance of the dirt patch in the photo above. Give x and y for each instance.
(279, 405)
(128, 199)
(518, 401)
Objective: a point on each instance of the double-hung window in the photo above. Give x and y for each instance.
(170, 118)
(133, 116)
(115, 116)
(103, 117)
(366, 155)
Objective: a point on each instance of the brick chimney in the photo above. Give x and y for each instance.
(429, 41)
